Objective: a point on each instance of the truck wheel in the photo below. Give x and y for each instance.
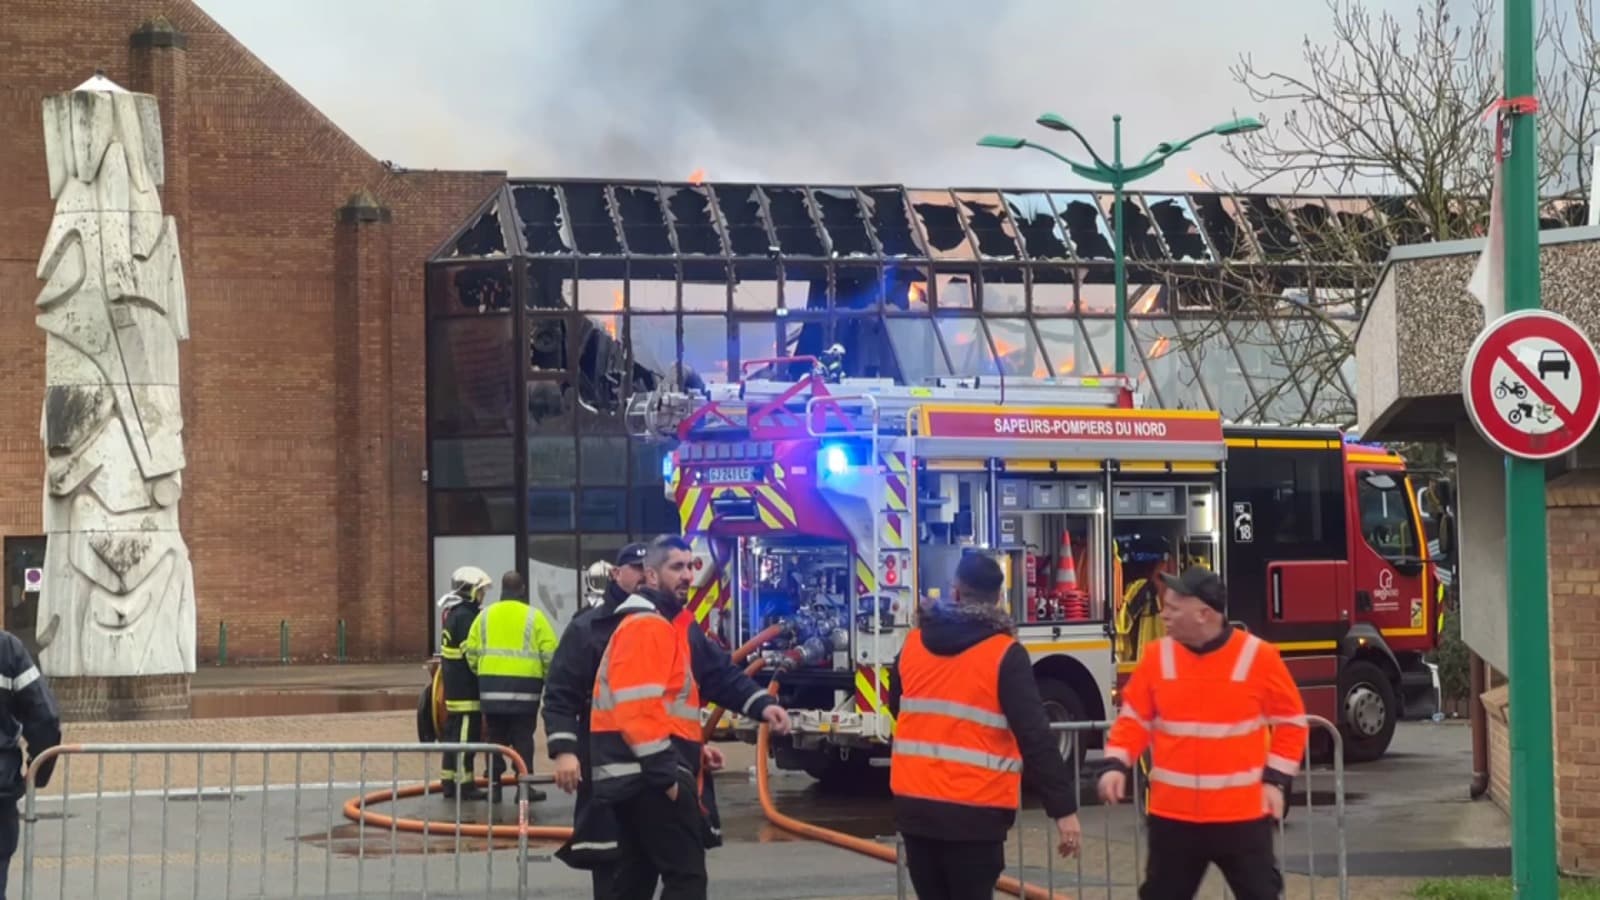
(1368, 711)
(1062, 704)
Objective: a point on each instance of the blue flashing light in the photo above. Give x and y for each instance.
(668, 463)
(834, 459)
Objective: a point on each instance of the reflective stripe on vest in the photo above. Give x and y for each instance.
(619, 710)
(952, 741)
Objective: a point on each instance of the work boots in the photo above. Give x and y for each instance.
(467, 789)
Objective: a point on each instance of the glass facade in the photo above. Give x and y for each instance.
(559, 300)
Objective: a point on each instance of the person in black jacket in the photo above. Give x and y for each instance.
(568, 687)
(464, 721)
(953, 848)
(29, 714)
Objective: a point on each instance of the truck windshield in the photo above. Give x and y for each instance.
(1386, 521)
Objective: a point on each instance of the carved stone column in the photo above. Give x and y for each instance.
(117, 612)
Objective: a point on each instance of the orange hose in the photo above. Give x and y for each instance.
(750, 646)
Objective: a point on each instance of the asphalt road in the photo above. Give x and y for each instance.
(1405, 816)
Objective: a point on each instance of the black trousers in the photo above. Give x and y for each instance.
(461, 728)
(514, 731)
(954, 870)
(1180, 853)
(9, 832)
(661, 838)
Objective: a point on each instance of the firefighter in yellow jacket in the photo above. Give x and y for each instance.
(509, 649)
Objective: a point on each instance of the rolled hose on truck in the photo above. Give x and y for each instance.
(358, 809)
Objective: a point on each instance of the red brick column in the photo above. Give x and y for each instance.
(363, 301)
(1574, 510)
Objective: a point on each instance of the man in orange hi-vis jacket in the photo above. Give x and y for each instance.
(1202, 699)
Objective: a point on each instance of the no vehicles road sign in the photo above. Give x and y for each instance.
(1531, 384)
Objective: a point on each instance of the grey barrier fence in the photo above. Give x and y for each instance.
(1110, 859)
(268, 820)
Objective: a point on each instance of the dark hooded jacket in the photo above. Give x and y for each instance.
(948, 629)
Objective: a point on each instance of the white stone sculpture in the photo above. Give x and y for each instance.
(118, 596)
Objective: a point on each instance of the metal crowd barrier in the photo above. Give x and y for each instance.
(1110, 860)
(268, 820)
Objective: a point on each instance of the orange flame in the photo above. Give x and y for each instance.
(1160, 348)
(1200, 180)
(917, 293)
(698, 176)
(1147, 302)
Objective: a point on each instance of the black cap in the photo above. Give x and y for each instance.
(1201, 582)
(632, 555)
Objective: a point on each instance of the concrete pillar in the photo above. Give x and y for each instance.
(363, 302)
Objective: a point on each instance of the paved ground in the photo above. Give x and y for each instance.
(215, 832)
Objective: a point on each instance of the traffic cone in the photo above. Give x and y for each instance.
(1066, 569)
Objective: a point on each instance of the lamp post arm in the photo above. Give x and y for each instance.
(1089, 149)
(1100, 173)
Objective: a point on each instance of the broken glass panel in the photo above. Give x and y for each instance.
(547, 343)
(793, 222)
(941, 225)
(991, 225)
(705, 286)
(1148, 299)
(1004, 289)
(1274, 233)
(1405, 222)
(1360, 228)
(845, 222)
(965, 341)
(551, 285)
(747, 229)
(805, 286)
(916, 349)
(857, 287)
(1262, 358)
(955, 290)
(539, 212)
(473, 289)
(1042, 234)
(1138, 232)
(1167, 367)
(644, 225)
(866, 343)
(1018, 348)
(653, 343)
(1066, 346)
(1179, 227)
(906, 288)
(1206, 339)
(1091, 236)
(602, 363)
(755, 285)
(1054, 290)
(592, 227)
(1321, 231)
(652, 286)
(483, 238)
(602, 285)
(705, 347)
(694, 220)
(892, 223)
(1220, 218)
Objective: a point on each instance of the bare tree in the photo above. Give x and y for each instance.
(1394, 119)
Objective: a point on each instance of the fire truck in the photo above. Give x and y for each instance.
(822, 509)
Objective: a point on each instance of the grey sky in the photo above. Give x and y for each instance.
(826, 91)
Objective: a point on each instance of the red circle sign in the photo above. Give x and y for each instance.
(1531, 384)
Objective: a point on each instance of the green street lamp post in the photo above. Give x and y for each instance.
(1117, 175)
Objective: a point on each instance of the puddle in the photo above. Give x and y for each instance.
(232, 704)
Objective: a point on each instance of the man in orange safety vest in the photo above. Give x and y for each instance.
(1202, 699)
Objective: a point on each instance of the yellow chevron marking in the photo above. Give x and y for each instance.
(785, 511)
(866, 575)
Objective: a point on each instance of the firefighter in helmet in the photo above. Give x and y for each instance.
(464, 722)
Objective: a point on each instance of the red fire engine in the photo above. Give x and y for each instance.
(822, 510)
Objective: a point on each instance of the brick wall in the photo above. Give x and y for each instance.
(1495, 707)
(276, 360)
(1574, 504)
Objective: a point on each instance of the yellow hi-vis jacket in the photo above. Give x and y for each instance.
(509, 647)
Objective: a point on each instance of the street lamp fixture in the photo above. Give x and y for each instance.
(1117, 175)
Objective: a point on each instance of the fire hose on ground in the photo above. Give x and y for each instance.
(358, 809)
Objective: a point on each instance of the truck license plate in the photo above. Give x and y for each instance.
(730, 474)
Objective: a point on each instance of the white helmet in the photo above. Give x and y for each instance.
(470, 581)
(598, 578)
